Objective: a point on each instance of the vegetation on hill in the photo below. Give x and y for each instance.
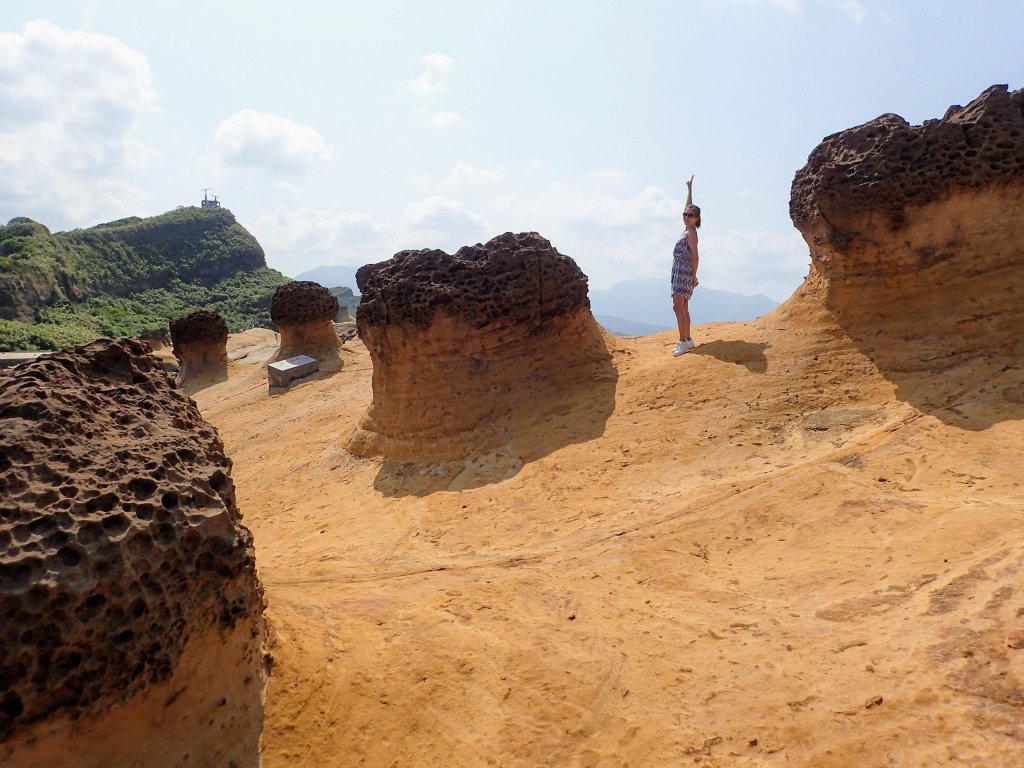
(129, 276)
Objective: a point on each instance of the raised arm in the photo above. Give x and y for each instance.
(689, 192)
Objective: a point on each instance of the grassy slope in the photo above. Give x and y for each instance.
(130, 276)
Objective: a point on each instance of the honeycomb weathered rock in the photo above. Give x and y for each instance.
(202, 327)
(302, 301)
(887, 166)
(303, 312)
(915, 233)
(200, 343)
(476, 351)
(120, 540)
(515, 278)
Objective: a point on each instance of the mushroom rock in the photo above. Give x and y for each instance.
(303, 312)
(200, 344)
(915, 232)
(156, 338)
(132, 615)
(474, 351)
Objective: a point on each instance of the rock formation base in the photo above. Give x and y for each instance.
(454, 390)
(317, 340)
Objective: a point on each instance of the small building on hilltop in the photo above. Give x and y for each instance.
(207, 202)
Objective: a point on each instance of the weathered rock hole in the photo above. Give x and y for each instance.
(105, 502)
(142, 487)
(69, 556)
(11, 705)
(219, 481)
(115, 524)
(164, 534)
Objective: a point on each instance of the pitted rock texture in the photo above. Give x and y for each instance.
(884, 169)
(120, 540)
(303, 312)
(470, 352)
(915, 232)
(301, 302)
(514, 278)
(200, 343)
(202, 327)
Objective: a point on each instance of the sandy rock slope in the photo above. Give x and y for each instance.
(769, 554)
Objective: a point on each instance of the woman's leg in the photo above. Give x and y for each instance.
(682, 310)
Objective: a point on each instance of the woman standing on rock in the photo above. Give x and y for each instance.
(684, 272)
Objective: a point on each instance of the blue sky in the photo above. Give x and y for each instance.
(340, 133)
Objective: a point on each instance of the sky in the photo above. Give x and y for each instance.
(343, 132)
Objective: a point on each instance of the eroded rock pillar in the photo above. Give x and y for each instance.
(303, 312)
(131, 613)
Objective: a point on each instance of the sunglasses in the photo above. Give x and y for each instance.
(688, 215)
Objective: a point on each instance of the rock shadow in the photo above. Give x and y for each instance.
(971, 389)
(536, 427)
(751, 356)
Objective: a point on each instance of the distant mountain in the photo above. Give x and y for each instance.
(334, 276)
(129, 276)
(649, 302)
(621, 327)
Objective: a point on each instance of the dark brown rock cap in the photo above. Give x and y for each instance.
(887, 164)
(302, 302)
(203, 327)
(518, 278)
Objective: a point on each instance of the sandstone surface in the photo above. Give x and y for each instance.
(303, 311)
(132, 615)
(786, 548)
(477, 354)
(200, 344)
(917, 234)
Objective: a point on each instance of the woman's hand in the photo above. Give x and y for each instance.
(689, 183)
(696, 282)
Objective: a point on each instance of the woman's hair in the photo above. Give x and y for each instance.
(695, 209)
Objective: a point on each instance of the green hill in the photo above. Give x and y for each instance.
(129, 276)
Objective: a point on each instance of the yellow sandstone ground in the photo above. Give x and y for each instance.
(766, 558)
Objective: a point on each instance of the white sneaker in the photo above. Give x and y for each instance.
(682, 347)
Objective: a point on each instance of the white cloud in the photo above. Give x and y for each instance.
(426, 83)
(463, 174)
(596, 208)
(430, 82)
(751, 262)
(317, 231)
(448, 222)
(440, 61)
(297, 239)
(852, 9)
(615, 237)
(609, 177)
(611, 237)
(446, 119)
(271, 142)
(71, 111)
